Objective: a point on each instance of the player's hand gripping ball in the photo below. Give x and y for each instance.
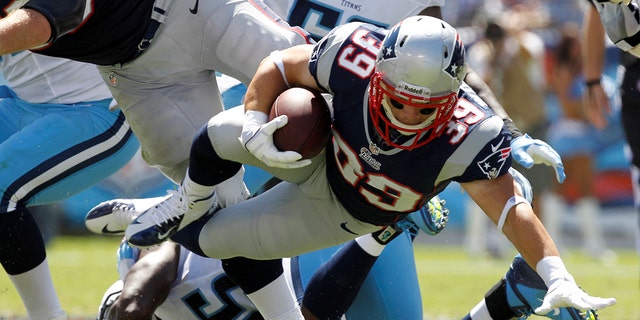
(309, 122)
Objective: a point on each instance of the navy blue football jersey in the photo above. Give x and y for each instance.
(378, 183)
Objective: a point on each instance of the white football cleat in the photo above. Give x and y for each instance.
(113, 216)
(163, 220)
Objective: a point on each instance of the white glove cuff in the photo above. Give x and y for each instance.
(551, 269)
(255, 118)
(517, 140)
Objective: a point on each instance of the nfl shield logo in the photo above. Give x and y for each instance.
(113, 81)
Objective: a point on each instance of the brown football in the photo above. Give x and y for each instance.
(309, 126)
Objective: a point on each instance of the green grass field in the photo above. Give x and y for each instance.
(451, 282)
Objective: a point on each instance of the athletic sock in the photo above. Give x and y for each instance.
(276, 301)
(264, 283)
(479, 312)
(24, 258)
(195, 189)
(39, 297)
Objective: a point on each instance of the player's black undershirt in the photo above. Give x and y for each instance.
(109, 35)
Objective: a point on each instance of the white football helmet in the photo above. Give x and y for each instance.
(421, 64)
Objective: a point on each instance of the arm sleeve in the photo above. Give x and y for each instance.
(64, 16)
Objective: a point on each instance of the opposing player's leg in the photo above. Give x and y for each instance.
(59, 152)
(23, 256)
(432, 218)
(629, 114)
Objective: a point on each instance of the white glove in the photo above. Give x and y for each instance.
(257, 138)
(563, 290)
(527, 151)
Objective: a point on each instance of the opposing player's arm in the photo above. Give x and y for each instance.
(63, 16)
(148, 283)
(482, 89)
(596, 104)
(433, 11)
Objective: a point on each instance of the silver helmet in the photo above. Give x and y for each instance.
(421, 64)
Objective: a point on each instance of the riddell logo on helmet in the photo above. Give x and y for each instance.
(414, 90)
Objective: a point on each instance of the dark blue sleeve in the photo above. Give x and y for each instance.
(492, 161)
(64, 15)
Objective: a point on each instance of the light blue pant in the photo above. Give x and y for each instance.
(49, 152)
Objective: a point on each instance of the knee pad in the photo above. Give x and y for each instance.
(22, 247)
(242, 271)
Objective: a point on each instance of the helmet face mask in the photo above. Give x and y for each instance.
(420, 64)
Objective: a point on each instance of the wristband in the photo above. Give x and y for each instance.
(551, 268)
(256, 117)
(592, 82)
(515, 132)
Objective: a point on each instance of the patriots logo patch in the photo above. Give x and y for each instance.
(492, 165)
